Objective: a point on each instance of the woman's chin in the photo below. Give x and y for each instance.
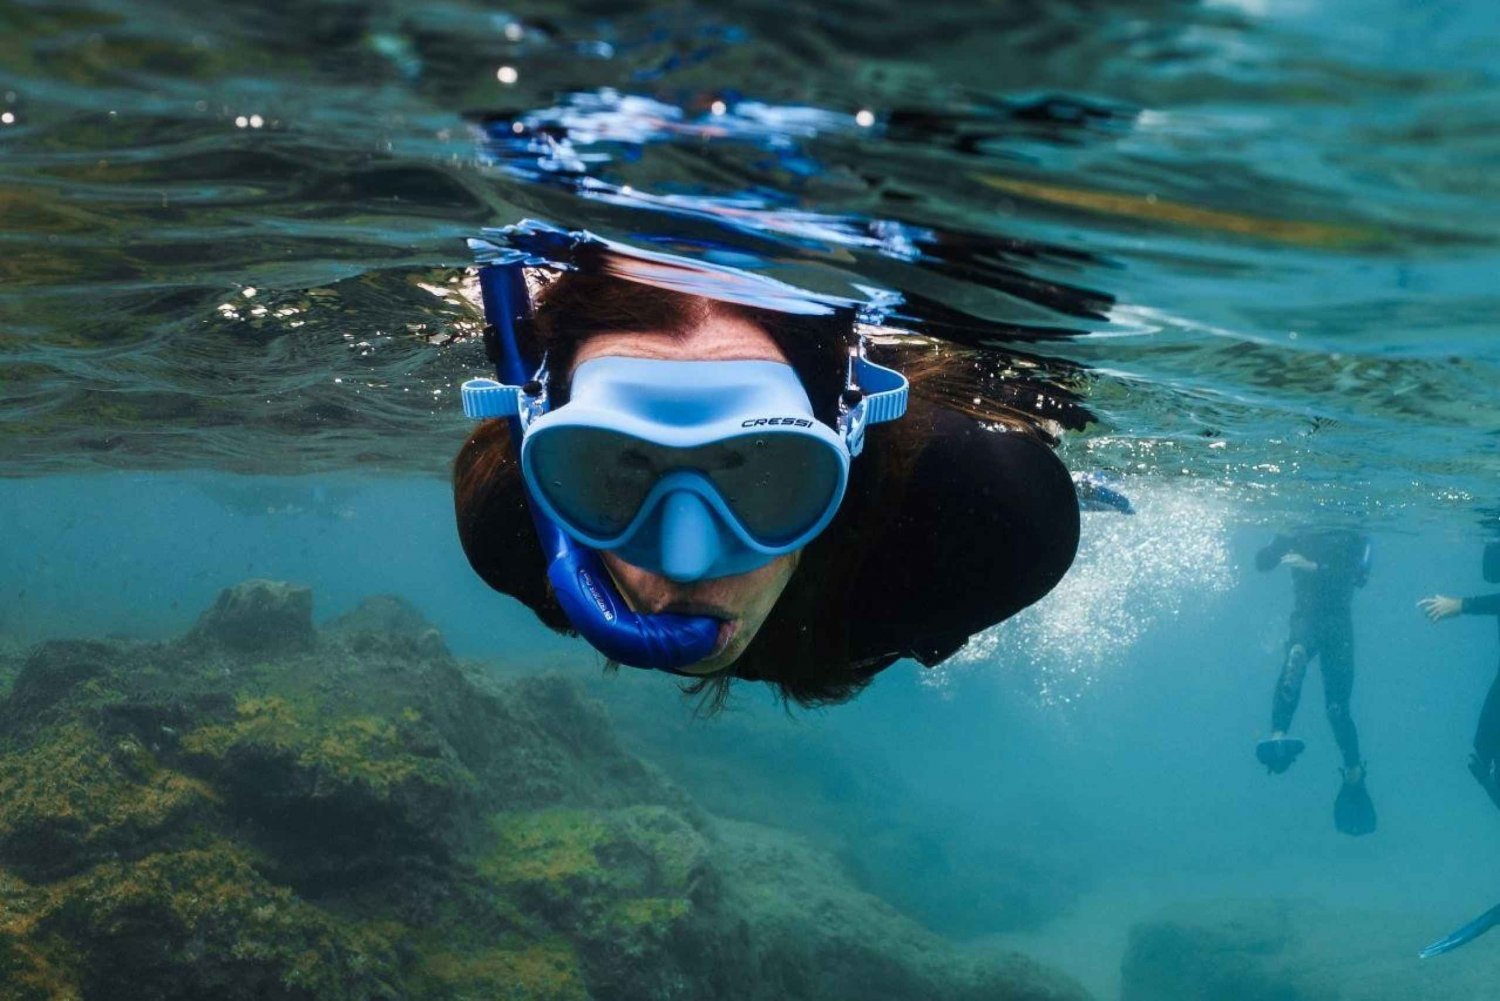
(727, 650)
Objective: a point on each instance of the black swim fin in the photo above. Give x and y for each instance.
(1278, 753)
(1353, 813)
(1464, 935)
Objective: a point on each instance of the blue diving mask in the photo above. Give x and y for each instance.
(688, 469)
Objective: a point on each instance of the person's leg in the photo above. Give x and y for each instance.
(1485, 764)
(1299, 650)
(1337, 664)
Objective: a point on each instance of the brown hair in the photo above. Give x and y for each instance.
(803, 648)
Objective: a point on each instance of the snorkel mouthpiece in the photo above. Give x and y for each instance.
(596, 609)
(689, 538)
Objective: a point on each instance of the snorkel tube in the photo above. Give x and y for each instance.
(579, 579)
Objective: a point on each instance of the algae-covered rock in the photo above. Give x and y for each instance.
(264, 810)
(71, 799)
(388, 622)
(49, 675)
(259, 616)
(197, 922)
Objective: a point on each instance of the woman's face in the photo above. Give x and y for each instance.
(741, 601)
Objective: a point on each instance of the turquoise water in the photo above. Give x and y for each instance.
(1258, 239)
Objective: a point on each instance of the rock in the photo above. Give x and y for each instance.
(50, 674)
(815, 935)
(193, 923)
(388, 622)
(1284, 950)
(259, 616)
(1228, 952)
(381, 822)
(955, 878)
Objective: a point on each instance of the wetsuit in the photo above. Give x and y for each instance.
(1321, 626)
(988, 526)
(1486, 762)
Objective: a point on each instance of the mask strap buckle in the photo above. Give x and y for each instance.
(873, 394)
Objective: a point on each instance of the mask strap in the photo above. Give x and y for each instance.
(873, 394)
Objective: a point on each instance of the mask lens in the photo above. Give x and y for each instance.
(596, 479)
(776, 484)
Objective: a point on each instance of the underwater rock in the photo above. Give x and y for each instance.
(814, 936)
(1230, 952)
(953, 876)
(385, 620)
(354, 814)
(259, 616)
(1259, 950)
(49, 674)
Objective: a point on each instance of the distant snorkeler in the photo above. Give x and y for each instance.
(1326, 568)
(1484, 763)
(724, 485)
(1096, 493)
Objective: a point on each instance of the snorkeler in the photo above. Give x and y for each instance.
(1484, 763)
(723, 490)
(1326, 568)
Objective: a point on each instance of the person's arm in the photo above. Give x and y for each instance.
(1363, 555)
(1486, 604)
(1269, 558)
(1440, 606)
(989, 525)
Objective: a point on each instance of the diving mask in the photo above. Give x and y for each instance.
(689, 469)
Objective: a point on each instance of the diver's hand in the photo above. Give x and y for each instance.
(1298, 562)
(1440, 607)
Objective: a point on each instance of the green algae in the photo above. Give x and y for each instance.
(368, 750)
(545, 971)
(557, 848)
(72, 794)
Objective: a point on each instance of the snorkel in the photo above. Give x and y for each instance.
(579, 580)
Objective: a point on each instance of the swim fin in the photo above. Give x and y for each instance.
(1464, 935)
(1278, 753)
(1353, 813)
(1487, 775)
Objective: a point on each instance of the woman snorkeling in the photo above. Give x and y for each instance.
(727, 489)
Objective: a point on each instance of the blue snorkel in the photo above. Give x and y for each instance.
(579, 580)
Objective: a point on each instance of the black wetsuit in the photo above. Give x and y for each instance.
(1486, 763)
(1321, 626)
(988, 526)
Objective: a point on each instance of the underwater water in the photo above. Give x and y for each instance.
(1251, 245)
